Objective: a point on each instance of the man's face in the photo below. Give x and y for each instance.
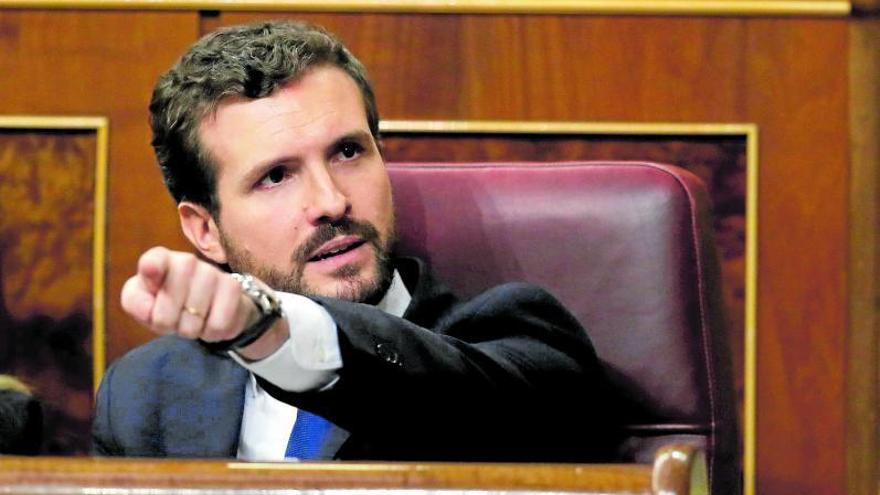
(305, 199)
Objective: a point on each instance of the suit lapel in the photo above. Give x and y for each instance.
(336, 437)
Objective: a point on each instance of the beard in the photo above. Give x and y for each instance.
(351, 283)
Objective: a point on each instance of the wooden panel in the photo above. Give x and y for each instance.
(787, 75)
(801, 105)
(676, 470)
(680, 70)
(632, 7)
(545, 67)
(47, 181)
(103, 63)
(866, 6)
(862, 372)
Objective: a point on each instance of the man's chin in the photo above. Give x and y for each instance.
(349, 284)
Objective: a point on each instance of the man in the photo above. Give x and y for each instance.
(267, 135)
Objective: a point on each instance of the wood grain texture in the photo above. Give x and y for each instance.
(103, 63)
(787, 75)
(700, 70)
(800, 104)
(833, 8)
(866, 6)
(42, 475)
(545, 67)
(862, 372)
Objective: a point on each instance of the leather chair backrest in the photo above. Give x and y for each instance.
(627, 247)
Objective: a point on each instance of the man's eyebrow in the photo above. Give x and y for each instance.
(358, 135)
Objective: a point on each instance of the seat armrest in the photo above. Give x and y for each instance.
(680, 469)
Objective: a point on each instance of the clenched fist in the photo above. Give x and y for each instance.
(176, 292)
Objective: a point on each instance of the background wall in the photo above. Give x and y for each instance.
(805, 81)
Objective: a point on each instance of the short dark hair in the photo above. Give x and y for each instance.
(252, 61)
(21, 419)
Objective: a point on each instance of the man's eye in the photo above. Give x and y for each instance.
(350, 150)
(275, 176)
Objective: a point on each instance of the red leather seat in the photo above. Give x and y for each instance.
(628, 248)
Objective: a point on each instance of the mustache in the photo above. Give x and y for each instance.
(328, 231)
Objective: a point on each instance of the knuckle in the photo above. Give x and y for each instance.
(188, 332)
(228, 315)
(154, 252)
(188, 326)
(228, 284)
(206, 275)
(214, 332)
(186, 263)
(164, 321)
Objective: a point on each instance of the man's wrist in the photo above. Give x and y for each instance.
(268, 343)
(308, 354)
(268, 314)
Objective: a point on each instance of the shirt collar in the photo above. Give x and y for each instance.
(397, 297)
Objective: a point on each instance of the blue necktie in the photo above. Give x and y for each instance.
(307, 436)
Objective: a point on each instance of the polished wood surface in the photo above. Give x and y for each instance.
(680, 70)
(677, 470)
(801, 105)
(866, 6)
(788, 75)
(862, 372)
(105, 64)
(29, 475)
(631, 7)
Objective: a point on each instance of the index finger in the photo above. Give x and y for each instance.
(152, 267)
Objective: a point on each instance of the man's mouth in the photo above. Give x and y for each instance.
(337, 247)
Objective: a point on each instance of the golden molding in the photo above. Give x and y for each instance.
(100, 126)
(746, 130)
(833, 8)
(538, 127)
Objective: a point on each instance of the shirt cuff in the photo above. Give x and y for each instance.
(310, 357)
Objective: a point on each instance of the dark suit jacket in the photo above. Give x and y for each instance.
(507, 376)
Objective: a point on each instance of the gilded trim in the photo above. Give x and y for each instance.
(101, 127)
(827, 8)
(747, 130)
(326, 466)
(537, 127)
(99, 249)
(751, 317)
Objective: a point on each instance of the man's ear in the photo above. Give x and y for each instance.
(201, 229)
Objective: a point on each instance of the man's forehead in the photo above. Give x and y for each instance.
(317, 92)
(305, 116)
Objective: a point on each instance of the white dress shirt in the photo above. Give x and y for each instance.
(309, 360)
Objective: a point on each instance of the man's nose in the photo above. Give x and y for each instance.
(327, 202)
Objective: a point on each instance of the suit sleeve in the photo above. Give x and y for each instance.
(510, 360)
(103, 440)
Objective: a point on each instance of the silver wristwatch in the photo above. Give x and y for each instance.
(268, 306)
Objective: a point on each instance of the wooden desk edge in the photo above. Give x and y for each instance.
(672, 472)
